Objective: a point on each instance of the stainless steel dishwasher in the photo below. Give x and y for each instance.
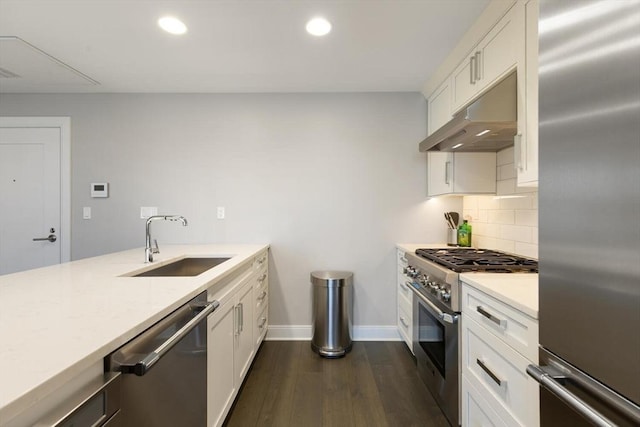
(164, 370)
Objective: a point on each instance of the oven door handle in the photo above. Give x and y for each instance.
(446, 317)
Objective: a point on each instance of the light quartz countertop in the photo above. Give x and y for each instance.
(58, 320)
(519, 290)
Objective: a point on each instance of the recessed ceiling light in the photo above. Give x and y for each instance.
(318, 27)
(172, 25)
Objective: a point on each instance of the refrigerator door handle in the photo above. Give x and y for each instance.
(547, 378)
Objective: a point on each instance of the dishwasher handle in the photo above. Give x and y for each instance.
(142, 367)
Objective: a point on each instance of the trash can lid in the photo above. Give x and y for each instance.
(331, 279)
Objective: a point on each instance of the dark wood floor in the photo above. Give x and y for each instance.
(376, 384)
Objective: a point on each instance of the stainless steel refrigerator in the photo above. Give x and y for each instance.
(589, 137)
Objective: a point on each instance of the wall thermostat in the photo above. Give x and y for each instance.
(100, 189)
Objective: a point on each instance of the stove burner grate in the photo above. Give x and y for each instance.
(463, 260)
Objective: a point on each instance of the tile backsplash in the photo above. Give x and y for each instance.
(508, 221)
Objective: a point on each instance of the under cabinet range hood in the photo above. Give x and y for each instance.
(488, 124)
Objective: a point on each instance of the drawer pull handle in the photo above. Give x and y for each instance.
(404, 322)
(261, 278)
(262, 322)
(262, 296)
(498, 321)
(488, 371)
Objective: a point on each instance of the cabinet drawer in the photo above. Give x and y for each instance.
(262, 300)
(261, 324)
(476, 411)
(262, 280)
(405, 296)
(514, 327)
(499, 372)
(405, 327)
(260, 261)
(402, 260)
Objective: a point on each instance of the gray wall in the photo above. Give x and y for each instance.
(331, 181)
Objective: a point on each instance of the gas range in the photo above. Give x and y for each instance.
(435, 272)
(433, 275)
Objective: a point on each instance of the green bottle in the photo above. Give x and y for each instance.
(464, 234)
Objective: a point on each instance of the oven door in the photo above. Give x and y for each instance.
(435, 344)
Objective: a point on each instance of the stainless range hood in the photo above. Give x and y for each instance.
(488, 124)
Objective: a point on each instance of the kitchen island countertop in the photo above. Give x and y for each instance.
(60, 320)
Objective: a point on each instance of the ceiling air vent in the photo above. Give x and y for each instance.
(6, 74)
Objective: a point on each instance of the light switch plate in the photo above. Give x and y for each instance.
(220, 212)
(86, 212)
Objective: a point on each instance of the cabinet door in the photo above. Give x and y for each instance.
(244, 347)
(221, 382)
(461, 173)
(495, 56)
(439, 173)
(476, 411)
(439, 107)
(474, 173)
(464, 83)
(526, 143)
(499, 50)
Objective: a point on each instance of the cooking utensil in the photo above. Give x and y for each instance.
(455, 216)
(450, 222)
(448, 219)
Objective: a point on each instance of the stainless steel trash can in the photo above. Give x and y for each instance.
(332, 312)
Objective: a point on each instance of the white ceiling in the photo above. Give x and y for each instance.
(230, 46)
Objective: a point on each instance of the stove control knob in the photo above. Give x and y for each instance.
(446, 296)
(410, 271)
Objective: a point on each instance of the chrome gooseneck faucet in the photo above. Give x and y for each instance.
(148, 251)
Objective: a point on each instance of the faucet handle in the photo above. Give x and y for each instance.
(156, 250)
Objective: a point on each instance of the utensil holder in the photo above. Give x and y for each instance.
(452, 237)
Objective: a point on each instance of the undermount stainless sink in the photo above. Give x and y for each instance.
(183, 267)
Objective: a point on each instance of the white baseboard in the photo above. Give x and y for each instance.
(288, 333)
(360, 333)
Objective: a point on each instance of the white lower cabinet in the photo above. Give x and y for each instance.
(244, 347)
(236, 329)
(221, 382)
(260, 308)
(405, 302)
(495, 384)
(476, 410)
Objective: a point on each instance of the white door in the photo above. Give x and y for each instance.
(33, 193)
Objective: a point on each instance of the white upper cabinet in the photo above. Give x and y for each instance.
(439, 107)
(461, 173)
(526, 142)
(495, 56)
(510, 42)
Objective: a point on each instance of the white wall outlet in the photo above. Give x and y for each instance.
(86, 212)
(220, 212)
(147, 211)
